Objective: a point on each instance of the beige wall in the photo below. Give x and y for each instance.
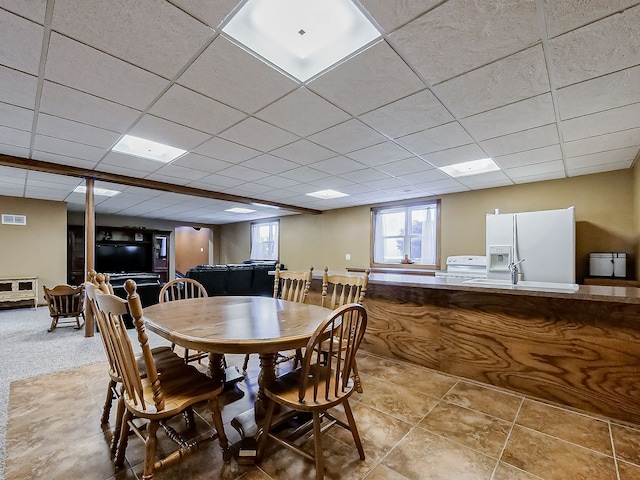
(40, 247)
(604, 222)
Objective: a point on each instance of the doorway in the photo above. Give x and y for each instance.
(193, 245)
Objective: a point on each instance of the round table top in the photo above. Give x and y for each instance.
(235, 324)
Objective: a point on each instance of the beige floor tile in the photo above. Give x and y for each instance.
(509, 472)
(422, 454)
(382, 472)
(486, 400)
(628, 471)
(554, 459)
(567, 425)
(470, 428)
(627, 443)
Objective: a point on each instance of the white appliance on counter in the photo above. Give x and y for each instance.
(544, 242)
(465, 266)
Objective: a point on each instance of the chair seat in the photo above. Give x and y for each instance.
(182, 386)
(286, 390)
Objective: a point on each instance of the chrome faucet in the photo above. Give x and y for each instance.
(513, 268)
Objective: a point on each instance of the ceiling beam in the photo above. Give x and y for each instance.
(54, 168)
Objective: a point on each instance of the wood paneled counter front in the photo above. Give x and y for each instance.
(579, 348)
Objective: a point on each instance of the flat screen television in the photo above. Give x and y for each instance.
(123, 258)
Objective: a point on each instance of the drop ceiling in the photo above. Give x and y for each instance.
(548, 89)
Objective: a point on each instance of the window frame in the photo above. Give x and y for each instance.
(276, 241)
(406, 206)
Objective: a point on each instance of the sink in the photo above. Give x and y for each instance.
(522, 285)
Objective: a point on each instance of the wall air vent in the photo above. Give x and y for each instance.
(14, 219)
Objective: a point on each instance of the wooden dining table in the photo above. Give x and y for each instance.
(237, 325)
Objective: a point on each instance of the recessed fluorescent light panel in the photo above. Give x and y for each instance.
(327, 194)
(103, 192)
(140, 147)
(239, 210)
(474, 167)
(302, 38)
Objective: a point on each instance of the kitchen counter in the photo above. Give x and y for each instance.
(578, 348)
(596, 293)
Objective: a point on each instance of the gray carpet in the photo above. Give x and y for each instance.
(28, 350)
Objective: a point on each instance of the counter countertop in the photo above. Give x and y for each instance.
(595, 293)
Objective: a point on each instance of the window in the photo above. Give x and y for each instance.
(406, 231)
(264, 240)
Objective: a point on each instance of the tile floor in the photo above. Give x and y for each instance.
(415, 424)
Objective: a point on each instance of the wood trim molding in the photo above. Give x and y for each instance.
(46, 167)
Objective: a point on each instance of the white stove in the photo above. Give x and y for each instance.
(465, 266)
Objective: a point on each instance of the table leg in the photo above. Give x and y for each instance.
(266, 376)
(216, 367)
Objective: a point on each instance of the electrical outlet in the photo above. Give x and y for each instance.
(347, 256)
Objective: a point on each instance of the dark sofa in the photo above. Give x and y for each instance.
(248, 278)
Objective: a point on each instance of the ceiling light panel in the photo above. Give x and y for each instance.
(303, 38)
(474, 167)
(140, 147)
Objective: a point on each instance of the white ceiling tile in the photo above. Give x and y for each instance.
(13, 150)
(302, 112)
(242, 173)
(17, 88)
(445, 185)
(487, 180)
(388, 183)
(464, 153)
(354, 188)
(202, 163)
(138, 164)
(561, 17)
(303, 152)
(555, 167)
(15, 117)
(365, 176)
(539, 177)
(529, 157)
(337, 165)
(170, 133)
(597, 49)
(602, 143)
(434, 139)
(623, 165)
(416, 112)
(303, 174)
(86, 69)
(251, 189)
(167, 179)
(460, 35)
(508, 80)
(609, 91)
(194, 110)
(32, 9)
(523, 115)
(603, 158)
(225, 150)
(216, 182)
(347, 137)
(425, 176)
(270, 164)
(520, 141)
(276, 181)
(67, 103)
(241, 83)
(165, 37)
(21, 43)
(372, 78)
(390, 14)
(65, 147)
(405, 167)
(15, 137)
(211, 13)
(601, 123)
(8, 173)
(259, 135)
(42, 193)
(176, 171)
(63, 159)
(76, 132)
(379, 154)
(333, 183)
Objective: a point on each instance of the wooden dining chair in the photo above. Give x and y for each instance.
(163, 357)
(159, 394)
(182, 289)
(340, 289)
(294, 287)
(318, 386)
(65, 302)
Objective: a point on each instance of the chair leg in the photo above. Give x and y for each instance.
(356, 377)
(124, 438)
(150, 450)
(266, 426)
(106, 410)
(297, 359)
(317, 440)
(245, 364)
(353, 428)
(115, 441)
(216, 416)
(54, 324)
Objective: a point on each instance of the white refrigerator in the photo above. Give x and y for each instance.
(544, 242)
